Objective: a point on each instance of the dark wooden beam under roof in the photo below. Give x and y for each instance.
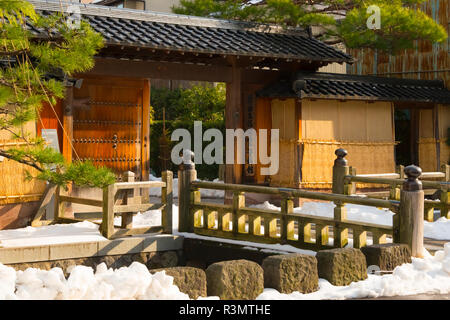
(178, 71)
(146, 54)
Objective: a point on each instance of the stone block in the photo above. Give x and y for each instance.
(291, 272)
(387, 256)
(73, 250)
(120, 246)
(24, 254)
(235, 280)
(341, 266)
(191, 281)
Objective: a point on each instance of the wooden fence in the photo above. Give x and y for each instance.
(14, 187)
(395, 180)
(236, 221)
(119, 199)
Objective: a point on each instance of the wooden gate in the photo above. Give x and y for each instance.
(111, 124)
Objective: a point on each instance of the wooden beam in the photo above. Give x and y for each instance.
(436, 136)
(177, 71)
(45, 200)
(160, 70)
(145, 145)
(68, 125)
(234, 119)
(84, 201)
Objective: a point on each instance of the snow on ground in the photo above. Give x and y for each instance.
(133, 282)
(439, 229)
(423, 276)
(54, 234)
(430, 275)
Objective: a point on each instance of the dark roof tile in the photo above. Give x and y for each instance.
(355, 87)
(175, 32)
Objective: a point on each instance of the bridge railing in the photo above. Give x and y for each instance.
(395, 181)
(119, 199)
(239, 222)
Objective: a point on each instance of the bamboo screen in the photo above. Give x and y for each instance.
(284, 118)
(444, 124)
(364, 129)
(13, 186)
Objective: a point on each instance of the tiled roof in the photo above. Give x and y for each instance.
(354, 87)
(162, 31)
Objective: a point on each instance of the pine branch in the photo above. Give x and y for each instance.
(13, 53)
(5, 154)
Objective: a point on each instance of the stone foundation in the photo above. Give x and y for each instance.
(153, 260)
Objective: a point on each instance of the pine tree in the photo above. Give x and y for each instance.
(342, 21)
(38, 54)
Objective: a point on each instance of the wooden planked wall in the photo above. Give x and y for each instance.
(425, 61)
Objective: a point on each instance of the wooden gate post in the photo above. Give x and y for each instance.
(186, 174)
(340, 170)
(167, 200)
(410, 224)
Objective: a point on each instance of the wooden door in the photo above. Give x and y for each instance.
(111, 124)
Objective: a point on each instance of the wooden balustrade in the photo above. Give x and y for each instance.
(122, 199)
(285, 226)
(394, 180)
(239, 222)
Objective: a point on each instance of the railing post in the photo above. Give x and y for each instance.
(445, 194)
(238, 203)
(445, 168)
(410, 224)
(127, 217)
(186, 174)
(59, 206)
(394, 193)
(287, 207)
(340, 170)
(352, 187)
(400, 169)
(167, 200)
(107, 227)
(195, 216)
(445, 199)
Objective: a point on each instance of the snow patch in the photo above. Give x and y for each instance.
(430, 275)
(439, 229)
(133, 282)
